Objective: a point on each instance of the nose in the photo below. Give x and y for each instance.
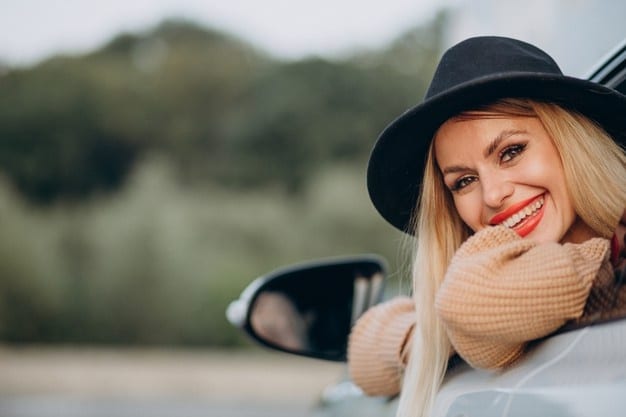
(495, 190)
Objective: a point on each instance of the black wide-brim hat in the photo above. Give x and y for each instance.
(476, 71)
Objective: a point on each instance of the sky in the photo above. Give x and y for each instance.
(31, 30)
(577, 33)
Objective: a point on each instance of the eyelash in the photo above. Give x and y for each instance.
(458, 184)
(506, 155)
(512, 151)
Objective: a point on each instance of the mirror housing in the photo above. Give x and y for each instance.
(309, 308)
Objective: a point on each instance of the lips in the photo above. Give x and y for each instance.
(522, 217)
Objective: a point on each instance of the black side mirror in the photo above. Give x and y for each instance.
(308, 309)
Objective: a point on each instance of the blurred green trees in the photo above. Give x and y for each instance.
(146, 183)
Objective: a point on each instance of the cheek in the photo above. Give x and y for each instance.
(545, 173)
(469, 211)
(543, 166)
(540, 171)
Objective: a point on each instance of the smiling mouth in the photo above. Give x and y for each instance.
(527, 212)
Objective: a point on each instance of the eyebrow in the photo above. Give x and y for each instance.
(489, 150)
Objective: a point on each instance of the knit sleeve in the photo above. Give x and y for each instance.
(379, 344)
(501, 291)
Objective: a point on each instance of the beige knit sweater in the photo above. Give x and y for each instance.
(499, 293)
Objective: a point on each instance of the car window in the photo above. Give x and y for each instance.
(612, 71)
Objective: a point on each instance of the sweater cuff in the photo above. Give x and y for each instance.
(588, 257)
(379, 345)
(488, 238)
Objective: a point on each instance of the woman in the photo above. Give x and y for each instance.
(511, 177)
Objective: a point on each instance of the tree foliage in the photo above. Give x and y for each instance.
(221, 162)
(222, 110)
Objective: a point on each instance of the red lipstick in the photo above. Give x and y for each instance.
(505, 214)
(529, 224)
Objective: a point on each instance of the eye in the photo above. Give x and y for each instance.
(511, 152)
(462, 182)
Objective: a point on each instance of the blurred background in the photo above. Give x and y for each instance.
(156, 156)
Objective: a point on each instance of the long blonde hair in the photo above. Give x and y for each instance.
(590, 158)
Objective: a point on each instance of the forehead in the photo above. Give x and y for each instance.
(462, 135)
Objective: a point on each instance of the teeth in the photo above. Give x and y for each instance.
(523, 213)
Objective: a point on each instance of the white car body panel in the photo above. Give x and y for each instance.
(576, 374)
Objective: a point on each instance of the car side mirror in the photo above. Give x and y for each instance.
(308, 309)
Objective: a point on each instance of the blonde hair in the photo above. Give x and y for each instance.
(589, 157)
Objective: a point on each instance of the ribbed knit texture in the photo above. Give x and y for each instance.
(500, 292)
(377, 346)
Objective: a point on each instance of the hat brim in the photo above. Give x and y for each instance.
(397, 161)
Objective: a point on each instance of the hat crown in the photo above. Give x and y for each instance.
(488, 56)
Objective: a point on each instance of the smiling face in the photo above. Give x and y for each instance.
(506, 170)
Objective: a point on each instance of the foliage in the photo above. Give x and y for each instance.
(223, 111)
(145, 184)
(158, 262)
